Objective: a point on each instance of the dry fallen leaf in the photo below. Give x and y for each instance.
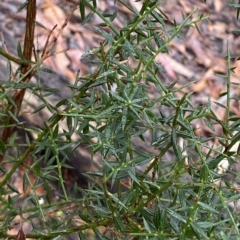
(20, 235)
(172, 67)
(186, 6)
(218, 4)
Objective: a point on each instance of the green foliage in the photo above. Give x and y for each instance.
(169, 198)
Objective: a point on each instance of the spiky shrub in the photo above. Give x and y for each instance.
(162, 195)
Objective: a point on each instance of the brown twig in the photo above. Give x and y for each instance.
(5, 53)
(50, 45)
(27, 55)
(47, 41)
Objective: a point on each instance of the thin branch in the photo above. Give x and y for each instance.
(27, 55)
